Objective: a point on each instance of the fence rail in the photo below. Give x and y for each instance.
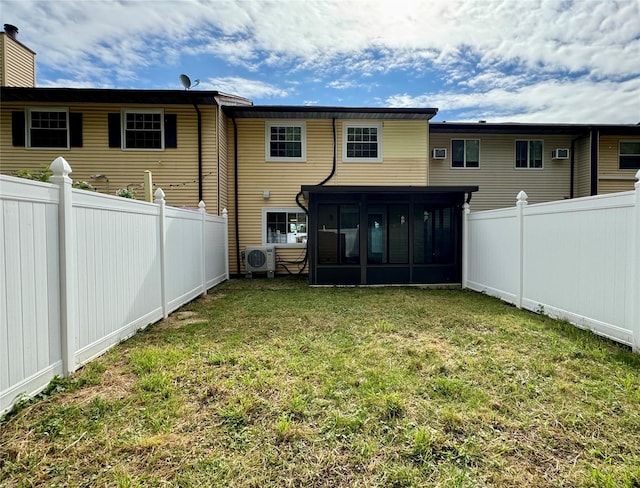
(577, 260)
(80, 271)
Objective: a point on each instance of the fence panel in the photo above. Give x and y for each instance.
(29, 299)
(118, 272)
(492, 255)
(80, 271)
(578, 260)
(183, 247)
(216, 263)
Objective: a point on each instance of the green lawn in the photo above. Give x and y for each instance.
(270, 383)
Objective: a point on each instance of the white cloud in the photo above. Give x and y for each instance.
(545, 102)
(341, 84)
(517, 56)
(583, 35)
(248, 88)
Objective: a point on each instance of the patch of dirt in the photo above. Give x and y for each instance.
(179, 319)
(116, 384)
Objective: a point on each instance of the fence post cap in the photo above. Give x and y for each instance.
(201, 205)
(159, 194)
(225, 213)
(60, 167)
(638, 178)
(522, 197)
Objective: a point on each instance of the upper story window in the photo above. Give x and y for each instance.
(143, 129)
(362, 142)
(529, 154)
(48, 128)
(629, 155)
(465, 153)
(284, 226)
(286, 141)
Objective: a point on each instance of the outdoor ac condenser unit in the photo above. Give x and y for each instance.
(260, 259)
(439, 153)
(560, 153)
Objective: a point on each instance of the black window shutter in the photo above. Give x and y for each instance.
(170, 130)
(17, 129)
(114, 130)
(75, 124)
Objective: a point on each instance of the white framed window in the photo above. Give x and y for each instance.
(362, 142)
(465, 153)
(143, 129)
(529, 154)
(48, 128)
(284, 226)
(629, 155)
(286, 141)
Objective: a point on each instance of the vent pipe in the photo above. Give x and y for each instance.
(11, 30)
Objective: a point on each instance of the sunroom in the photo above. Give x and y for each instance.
(381, 235)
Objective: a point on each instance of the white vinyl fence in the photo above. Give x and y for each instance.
(80, 271)
(576, 260)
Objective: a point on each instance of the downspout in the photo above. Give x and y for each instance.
(195, 105)
(235, 189)
(335, 148)
(306, 210)
(595, 136)
(573, 167)
(218, 113)
(333, 168)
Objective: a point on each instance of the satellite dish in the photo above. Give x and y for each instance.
(186, 82)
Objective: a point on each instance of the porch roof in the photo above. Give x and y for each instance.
(369, 189)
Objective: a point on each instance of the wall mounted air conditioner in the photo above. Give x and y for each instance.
(260, 259)
(560, 153)
(439, 153)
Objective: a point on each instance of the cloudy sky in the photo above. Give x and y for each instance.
(573, 61)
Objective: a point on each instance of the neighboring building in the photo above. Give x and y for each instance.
(351, 195)
(547, 161)
(111, 137)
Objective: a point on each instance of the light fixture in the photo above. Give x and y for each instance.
(266, 194)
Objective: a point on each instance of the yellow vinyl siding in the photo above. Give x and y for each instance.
(497, 177)
(606, 185)
(3, 60)
(175, 170)
(18, 65)
(209, 152)
(404, 157)
(404, 163)
(610, 177)
(282, 179)
(582, 166)
(224, 160)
